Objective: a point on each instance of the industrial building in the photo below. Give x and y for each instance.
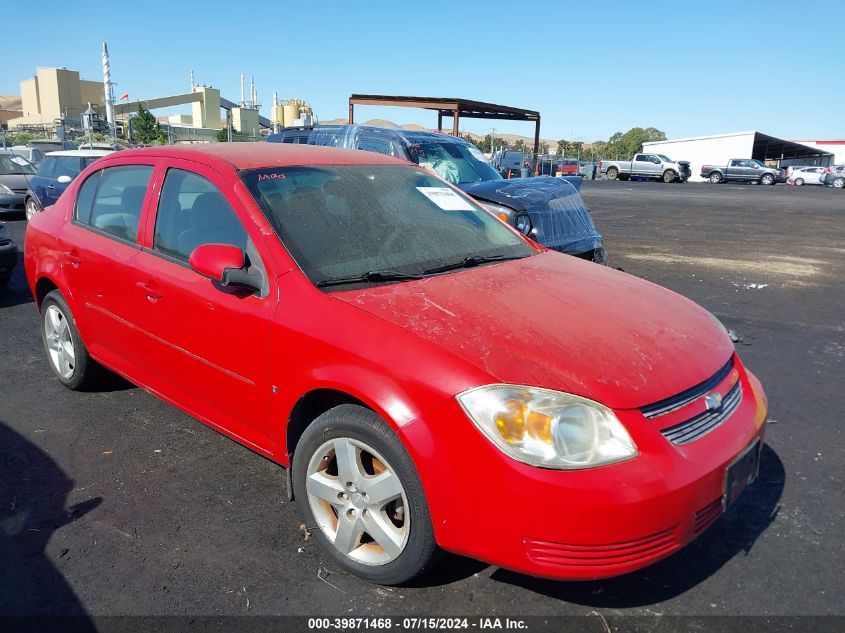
(718, 149)
(55, 94)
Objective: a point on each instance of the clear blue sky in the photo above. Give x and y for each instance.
(590, 68)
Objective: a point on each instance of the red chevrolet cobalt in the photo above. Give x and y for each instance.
(429, 378)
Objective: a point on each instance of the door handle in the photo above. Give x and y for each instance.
(152, 295)
(50, 187)
(73, 258)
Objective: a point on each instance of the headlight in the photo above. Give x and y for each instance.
(503, 213)
(6, 191)
(548, 428)
(523, 224)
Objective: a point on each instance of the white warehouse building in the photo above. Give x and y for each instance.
(718, 149)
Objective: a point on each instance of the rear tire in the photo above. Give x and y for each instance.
(378, 532)
(612, 173)
(715, 178)
(669, 176)
(69, 359)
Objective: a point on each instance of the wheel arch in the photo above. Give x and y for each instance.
(43, 285)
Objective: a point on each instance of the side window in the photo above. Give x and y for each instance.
(640, 158)
(47, 169)
(117, 201)
(373, 143)
(68, 166)
(85, 198)
(193, 212)
(737, 163)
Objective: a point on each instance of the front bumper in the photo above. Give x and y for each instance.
(582, 524)
(12, 203)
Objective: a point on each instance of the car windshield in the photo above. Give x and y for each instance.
(10, 164)
(664, 158)
(754, 161)
(454, 162)
(350, 220)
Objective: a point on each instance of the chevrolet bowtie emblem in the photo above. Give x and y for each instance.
(712, 402)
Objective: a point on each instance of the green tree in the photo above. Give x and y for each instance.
(544, 148)
(145, 128)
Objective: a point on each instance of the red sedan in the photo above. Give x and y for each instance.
(429, 378)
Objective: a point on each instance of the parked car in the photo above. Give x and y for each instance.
(655, 166)
(8, 255)
(14, 174)
(567, 167)
(433, 358)
(548, 210)
(52, 145)
(743, 170)
(114, 147)
(834, 177)
(509, 162)
(54, 174)
(31, 154)
(806, 176)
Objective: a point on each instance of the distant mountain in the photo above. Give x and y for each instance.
(9, 102)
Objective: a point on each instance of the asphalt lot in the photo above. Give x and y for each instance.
(116, 503)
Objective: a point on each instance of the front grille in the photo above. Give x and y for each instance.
(570, 555)
(702, 424)
(682, 399)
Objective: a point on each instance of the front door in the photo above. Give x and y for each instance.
(206, 345)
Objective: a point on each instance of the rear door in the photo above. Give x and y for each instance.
(205, 345)
(98, 248)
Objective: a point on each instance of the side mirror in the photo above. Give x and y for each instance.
(225, 264)
(213, 260)
(63, 180)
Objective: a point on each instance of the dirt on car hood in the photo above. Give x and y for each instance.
(558, 322)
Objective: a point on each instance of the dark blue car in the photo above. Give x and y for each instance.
(548, 210)
(55, 173)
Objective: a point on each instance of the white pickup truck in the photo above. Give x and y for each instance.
(655, 166)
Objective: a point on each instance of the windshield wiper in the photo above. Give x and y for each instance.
(472, 260)
(371, 276)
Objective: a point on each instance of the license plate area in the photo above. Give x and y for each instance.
(741, 472)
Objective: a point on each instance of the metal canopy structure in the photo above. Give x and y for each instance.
(452, 107)
(770, 148)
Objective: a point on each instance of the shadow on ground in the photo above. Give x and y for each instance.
(33, 492)
(734, 533)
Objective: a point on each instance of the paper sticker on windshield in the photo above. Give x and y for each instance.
(445, 198)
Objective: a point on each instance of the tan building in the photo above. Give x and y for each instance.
(56, 93)
(245, 120)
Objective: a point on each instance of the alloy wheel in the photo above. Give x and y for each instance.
(59, 342)
(358, 501)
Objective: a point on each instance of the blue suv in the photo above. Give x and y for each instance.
(548, 210)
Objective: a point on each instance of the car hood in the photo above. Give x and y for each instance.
(561, 323)
(559, 218)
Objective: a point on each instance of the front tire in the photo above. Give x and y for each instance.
(66, 352)
(715, 178)
(32, 207)
(768, 179)
(357, 485)
(798, 182)
(669, 176)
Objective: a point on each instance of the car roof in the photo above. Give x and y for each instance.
(261, 154)
(409, 135)
(81, 152)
